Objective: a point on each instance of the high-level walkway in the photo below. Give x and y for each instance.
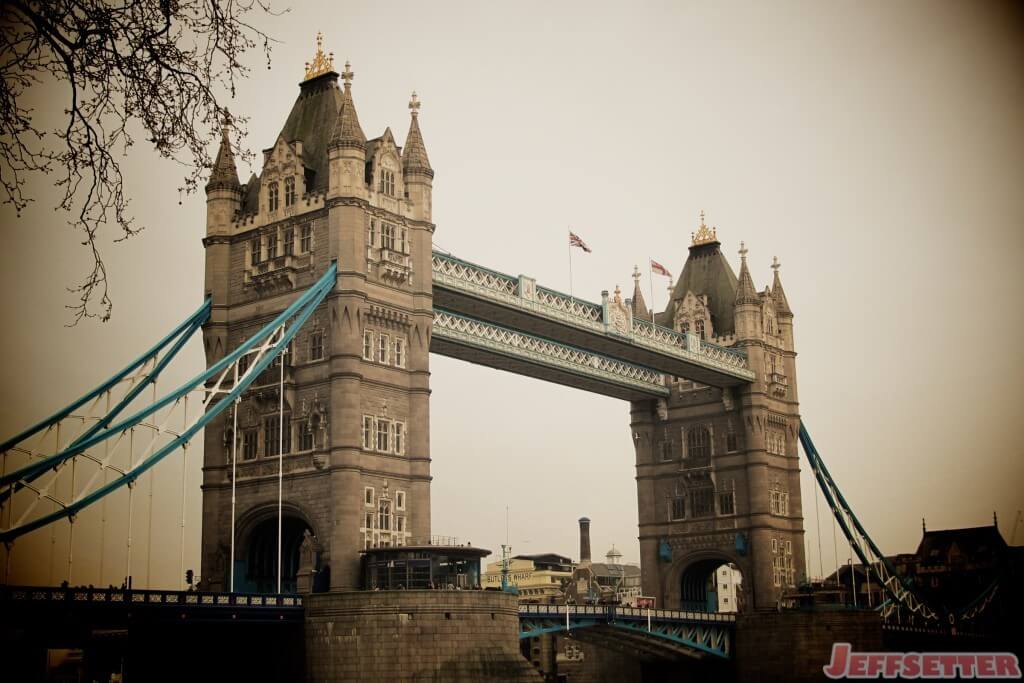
(512, 323)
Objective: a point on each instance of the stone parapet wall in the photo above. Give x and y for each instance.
(414, 635)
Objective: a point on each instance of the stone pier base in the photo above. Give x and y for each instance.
(414, 636)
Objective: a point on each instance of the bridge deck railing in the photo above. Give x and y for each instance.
(612, 612)
(134, 597)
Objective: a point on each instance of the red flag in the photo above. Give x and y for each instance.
(575, 241)
(660, 269)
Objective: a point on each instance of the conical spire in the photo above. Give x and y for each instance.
(414, 154)
(778, 294)
(224, 174)
(639, 306)
(745, 292)
(347, 131)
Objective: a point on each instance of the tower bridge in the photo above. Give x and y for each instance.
(325, 299)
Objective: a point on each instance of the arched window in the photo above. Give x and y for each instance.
(685, 327)
(698, 447)
(272, 199)
(700, 328)
(387, 182)
(289, 191)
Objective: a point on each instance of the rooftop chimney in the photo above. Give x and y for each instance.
(584, 540)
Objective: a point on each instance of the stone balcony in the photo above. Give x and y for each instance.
(278, 273)
(394, 266)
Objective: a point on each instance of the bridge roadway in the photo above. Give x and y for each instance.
(648, 634)
(511, 323)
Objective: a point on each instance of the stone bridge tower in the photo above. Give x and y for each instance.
(718, 477)
(356, 387)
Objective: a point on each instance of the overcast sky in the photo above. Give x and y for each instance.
(876, 148)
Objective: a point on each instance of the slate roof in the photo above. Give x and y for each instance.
(708, 272)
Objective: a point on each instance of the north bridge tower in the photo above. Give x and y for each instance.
(356, 378)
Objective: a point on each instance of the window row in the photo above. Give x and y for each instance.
(783, 573)
(384, 349)
(267, 440)
(280, 243)
(273, 194)
(387, 235)
(368, 499)
(775, 442)
(698, 446)
(702, 503)
(383, 435)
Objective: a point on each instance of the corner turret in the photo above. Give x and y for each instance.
(347, 149)
(223, 191)
(416, 168)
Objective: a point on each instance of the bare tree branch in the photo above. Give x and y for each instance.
(157, 63)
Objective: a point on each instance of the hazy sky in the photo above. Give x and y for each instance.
(876, 148)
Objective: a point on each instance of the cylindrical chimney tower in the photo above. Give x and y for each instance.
(584, 540)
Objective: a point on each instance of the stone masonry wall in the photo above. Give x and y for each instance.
(414, 636)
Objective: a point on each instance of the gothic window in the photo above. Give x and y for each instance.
(403, 245)
(384, 515)
(289, 241)
(383, 435)
(249, 444)
(316, 346)
(387, 182)
(272, 246)
(368, 500)
(698, 447)
(400, 501)
(254, 249)
(731, 442)
(272, 436)
(387, 236)
(305, 436)
(272, 200)
(685, 327)
(368, 432)
(306, 238)
(289, 191)
(727, 502)
(367, 345)
(399, 526)
(778, 500)
(678, 510)
(399, 352)
(702, 502)
(399, 438)
(699, 325)
(384, 342)
(371, 234)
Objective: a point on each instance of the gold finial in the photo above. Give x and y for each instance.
(743, 251)
(704, 234)
(636, 274)
(321, 63)
(414, 104)
(775, 263)
(347, 75)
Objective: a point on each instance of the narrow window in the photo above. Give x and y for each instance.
(731, 442)
(367, 345)
(399, 352)
(249, 444)
(368, 517)
(289, 241)
(271, 433)
(382, 349)
(272, 246)
(316, 346)
(679, 507)
(384, 515)
(726, 503)
(387, 236)
(399, 526)
(399, 440)
(289, 191)
(371, 234)
(698, 447)
(306, 243)
(383, 432)
(700, 328)
(254, 248)
(702, 502)
(403, 245)
(272, 200)
(368, 499)
(400, 501)
(368, 432)
(387, 182)
(305, 436)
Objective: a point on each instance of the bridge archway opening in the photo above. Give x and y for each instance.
(711, 585)
(260, 571)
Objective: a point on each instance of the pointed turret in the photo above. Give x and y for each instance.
(224, 175)
(639, 307)
(414, 154)
(347, 131)
(778, 294)
(706, 273)
(745, 292)
(416, 170)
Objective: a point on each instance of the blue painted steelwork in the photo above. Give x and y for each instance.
(298, 312)
(703, 632)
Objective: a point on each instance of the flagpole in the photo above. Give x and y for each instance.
(650, 279)
(571, 298)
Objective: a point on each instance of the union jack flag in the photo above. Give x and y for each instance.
(575, 241)
(660, 269)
